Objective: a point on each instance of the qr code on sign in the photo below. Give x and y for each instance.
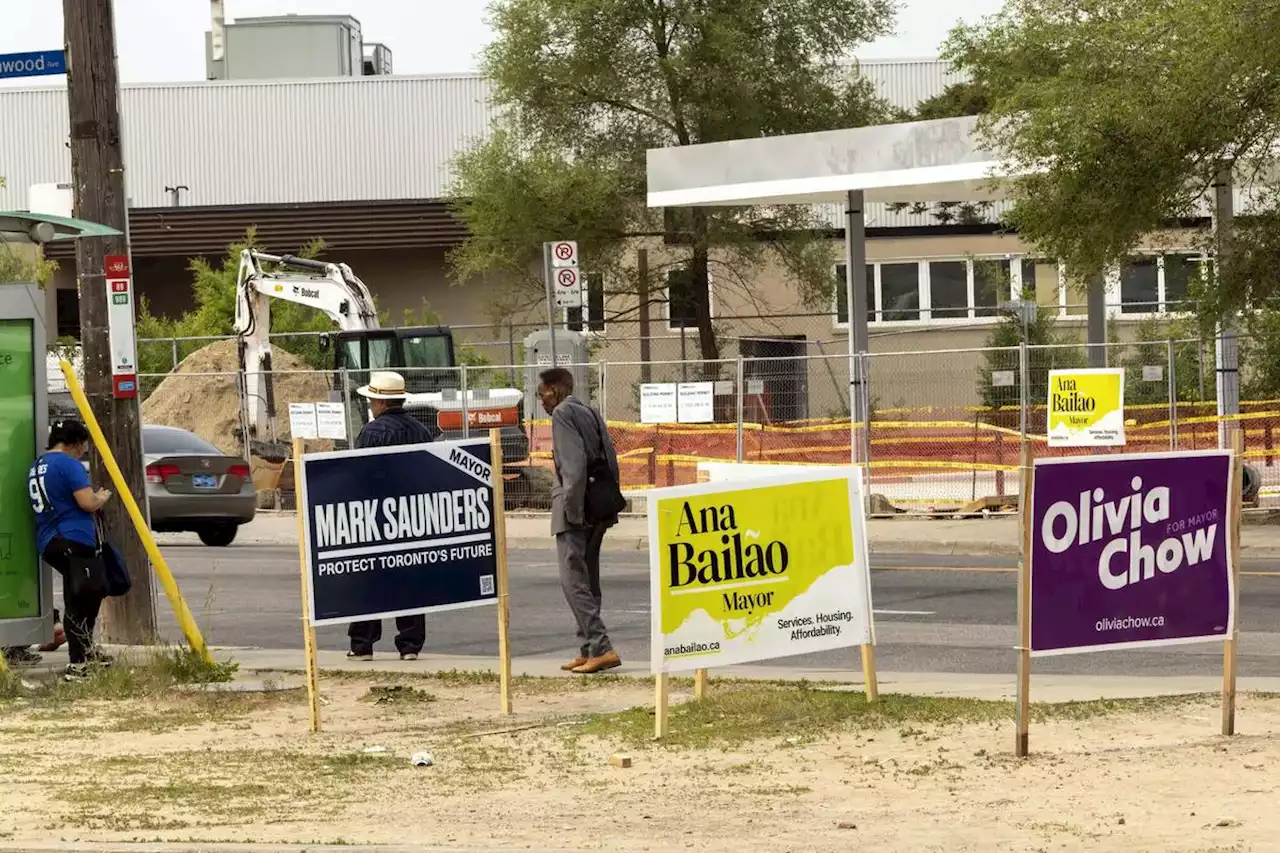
(486, 584)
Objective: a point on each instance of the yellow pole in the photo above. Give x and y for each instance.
(186, 621)
(308, 632)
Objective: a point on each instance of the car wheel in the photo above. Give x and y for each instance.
(219, 535)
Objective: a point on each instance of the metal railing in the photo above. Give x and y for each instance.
(942, 429)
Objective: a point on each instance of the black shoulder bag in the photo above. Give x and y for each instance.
(86, 575)
(603, 499)
(118, 580)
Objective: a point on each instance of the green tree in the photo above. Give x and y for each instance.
(966, 98)
(587, 87)
(1119, 114)
(1260, 356)
(1049, 349)
(1151, 348)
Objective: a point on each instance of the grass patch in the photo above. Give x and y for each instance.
(740, 713)
(133, 676)
(185, 666)
(528, 685)
(397, 694)
(10, 684)
(150, 677)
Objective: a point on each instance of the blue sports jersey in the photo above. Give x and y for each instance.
(52, 483)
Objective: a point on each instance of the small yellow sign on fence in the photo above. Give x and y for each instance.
(1086, 408)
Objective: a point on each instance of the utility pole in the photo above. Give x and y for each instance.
(1227, 348)
(97, 172)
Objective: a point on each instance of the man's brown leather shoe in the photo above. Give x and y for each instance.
(574, 664)
(608, 660)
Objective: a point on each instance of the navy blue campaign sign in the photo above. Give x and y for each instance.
(391, 531)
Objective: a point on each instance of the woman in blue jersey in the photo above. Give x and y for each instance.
(65, 503)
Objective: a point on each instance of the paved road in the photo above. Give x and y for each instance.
(934, 614)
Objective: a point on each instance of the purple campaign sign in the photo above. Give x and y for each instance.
(1130, 551)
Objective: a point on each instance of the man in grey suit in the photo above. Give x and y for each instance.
(578, 437)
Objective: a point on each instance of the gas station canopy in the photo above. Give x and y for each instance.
(18, 226)
(924, 161)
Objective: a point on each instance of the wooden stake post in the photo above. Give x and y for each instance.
(700, 684)
(500, 557)
(869, 681)
(1229, 646)
(308, 632)
(661, 699)
(1026, 483)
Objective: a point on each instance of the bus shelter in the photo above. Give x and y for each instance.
(26, 584)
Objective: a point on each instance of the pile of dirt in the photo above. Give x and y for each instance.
(210, 405)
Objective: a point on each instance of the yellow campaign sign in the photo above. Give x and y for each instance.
(750, 570)
(1086, 408)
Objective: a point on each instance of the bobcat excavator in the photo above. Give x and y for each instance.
(424, 355)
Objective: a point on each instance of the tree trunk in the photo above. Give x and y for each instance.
(699, 268)
(97, 171)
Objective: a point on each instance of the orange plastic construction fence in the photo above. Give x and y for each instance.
(908, 444)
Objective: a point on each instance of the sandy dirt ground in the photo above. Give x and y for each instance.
(184, 768)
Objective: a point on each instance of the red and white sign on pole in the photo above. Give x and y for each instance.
(567, 290)
(564, 253)
(566, 280)
(121, 332)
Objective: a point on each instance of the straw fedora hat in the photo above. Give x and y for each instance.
(383, 385)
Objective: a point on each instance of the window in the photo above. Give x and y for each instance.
(424, 351)
(955, 289)
(949, 289)
(1151, 284)
(68, 308)
(381, 353)
(990, 287)
(593, 321)
(1041, 278)
(1139, 286)
(1179, 272)
(682, 306)
(842, 295)
(899, 292)
(168, 441)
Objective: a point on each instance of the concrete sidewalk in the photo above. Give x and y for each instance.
(257, 663)
(997, 536)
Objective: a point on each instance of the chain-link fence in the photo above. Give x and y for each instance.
(942, 432)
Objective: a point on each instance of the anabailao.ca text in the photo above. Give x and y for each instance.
(1126, 559)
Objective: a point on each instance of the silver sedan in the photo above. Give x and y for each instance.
(194, 487)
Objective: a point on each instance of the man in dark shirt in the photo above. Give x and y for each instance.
(391, 426)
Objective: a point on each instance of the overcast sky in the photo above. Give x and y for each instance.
(163, 40)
